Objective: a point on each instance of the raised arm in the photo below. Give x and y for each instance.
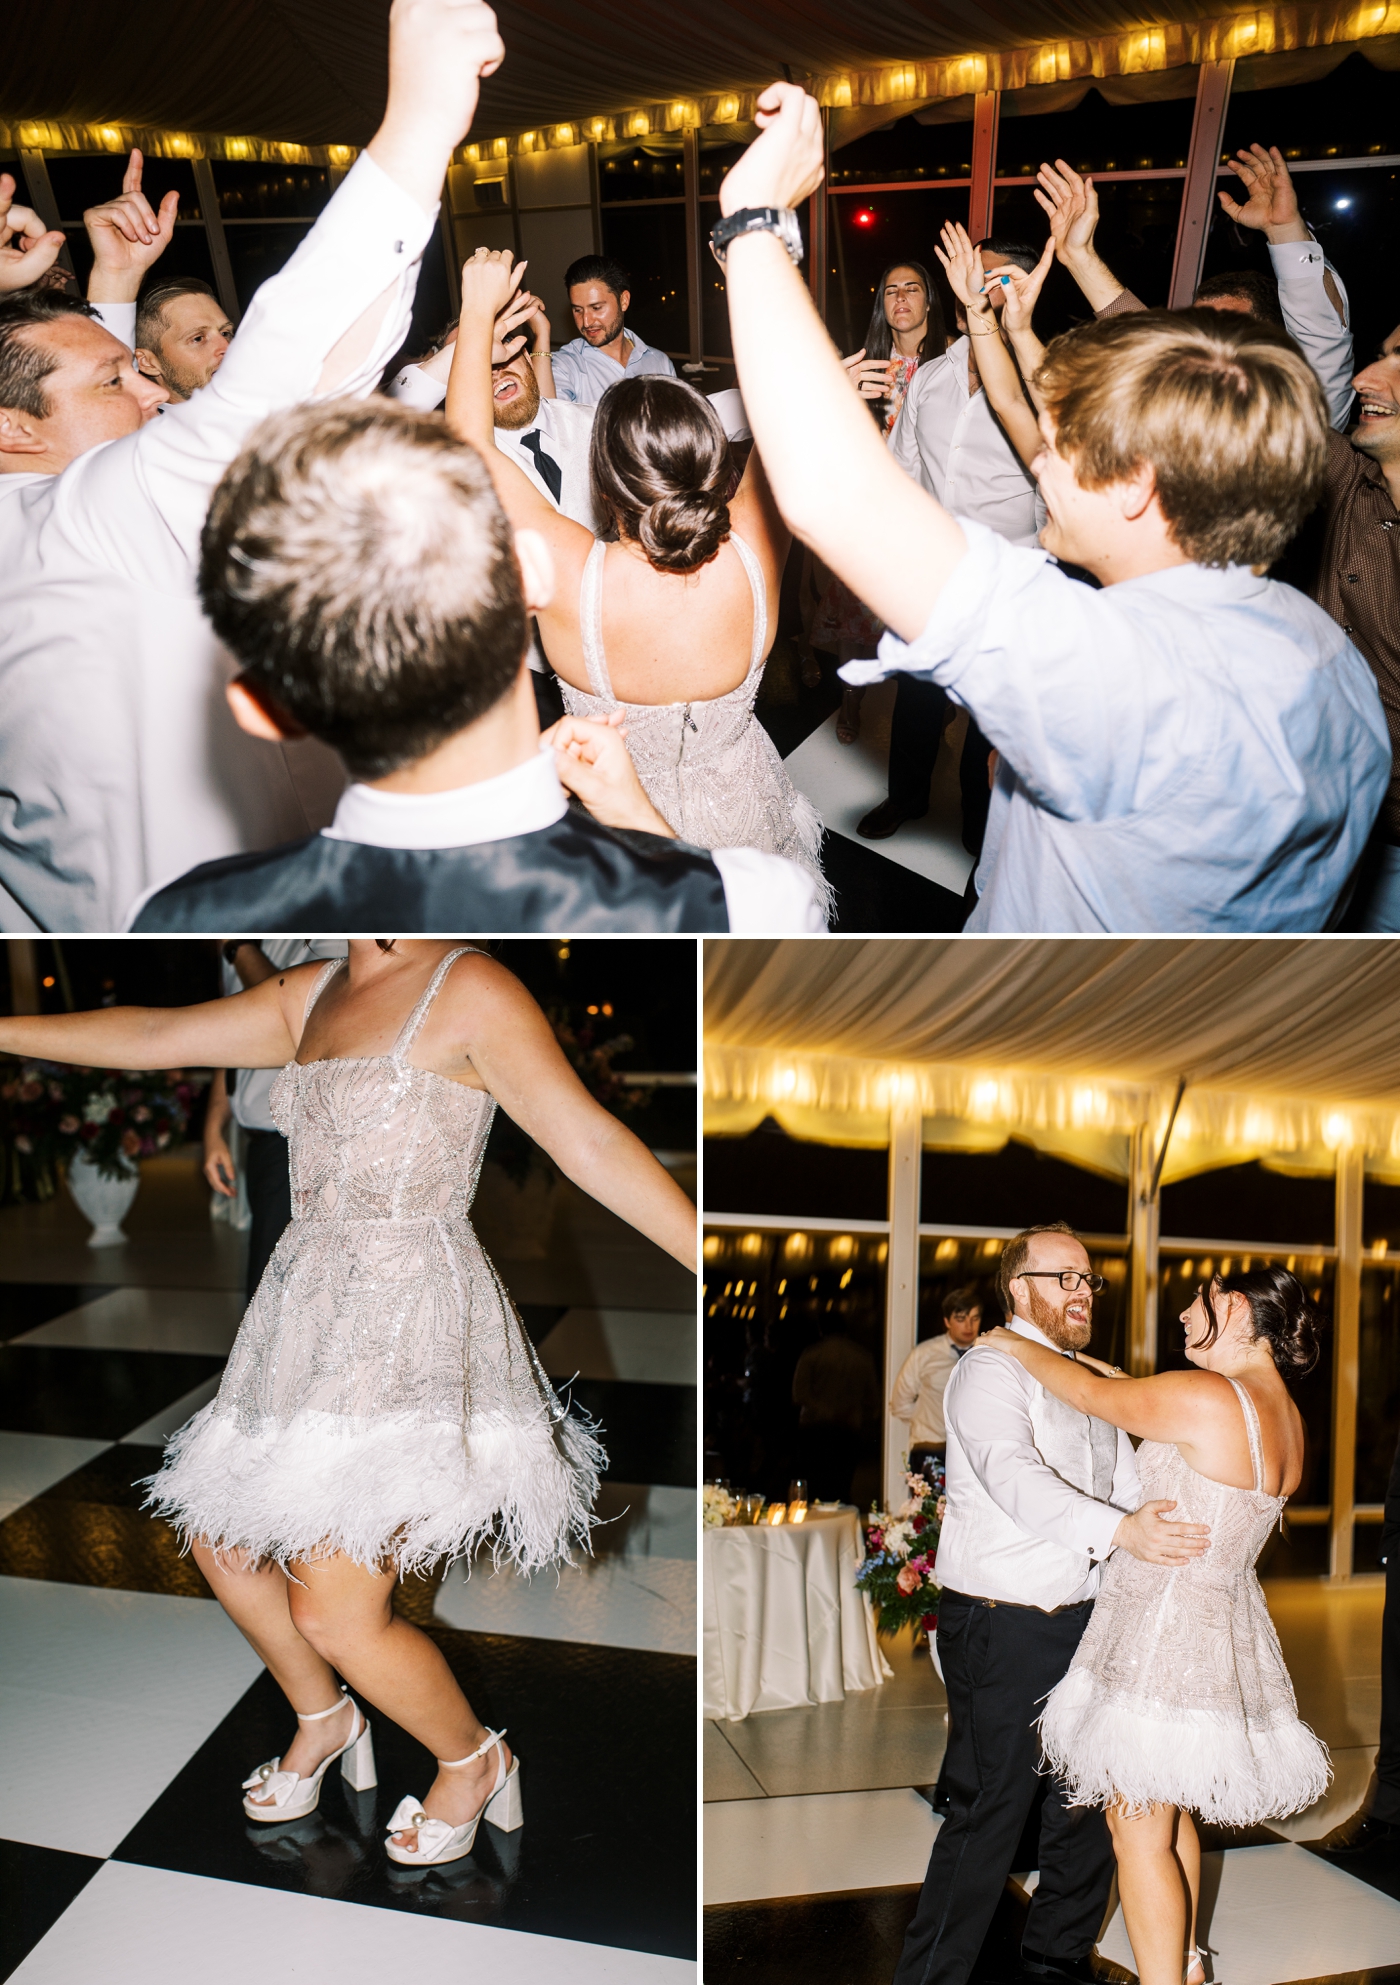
(1072, 208)
(1171, 1406)
(512, 1048)
(257, 1029)
(832, 476)
(128, 236)
(28, 249)
(962, 264)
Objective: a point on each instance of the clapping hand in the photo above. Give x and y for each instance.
(1021, 290)
(28, 249)
(1072, 207)
(127, 236)
(786, 161)
(1272, 204)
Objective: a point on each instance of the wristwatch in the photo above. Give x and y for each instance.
(781, 221)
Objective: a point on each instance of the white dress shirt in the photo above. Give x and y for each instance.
(918, 1391)
(761, 892)
(950, 441)
(119, 319)
(1194, 750)
(252, 1087)
(583, 373)
(1312, 321)
(120, 763)
(988, 1405)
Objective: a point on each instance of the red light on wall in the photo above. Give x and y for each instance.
(864, 217)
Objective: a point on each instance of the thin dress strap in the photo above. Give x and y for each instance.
(323, 979)
(420, 1012)
(748, 558)
(590, 623)
(1256, 1439)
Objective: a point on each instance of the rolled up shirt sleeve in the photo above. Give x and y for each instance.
(1324, 338)
(990, 1415)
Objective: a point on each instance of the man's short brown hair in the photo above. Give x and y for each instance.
(969, 1297)
(1226, 410)
(1016, 1254)
(152, 303)
(356, 561)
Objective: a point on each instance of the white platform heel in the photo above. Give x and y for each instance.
(439, 1842)
(287, 1795)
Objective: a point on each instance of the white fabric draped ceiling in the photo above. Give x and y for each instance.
(1290, 1048)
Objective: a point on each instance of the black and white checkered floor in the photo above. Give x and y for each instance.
(130, 1708)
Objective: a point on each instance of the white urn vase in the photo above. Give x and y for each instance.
(106, 1202)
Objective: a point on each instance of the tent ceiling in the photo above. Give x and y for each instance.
(1303, 1019)
(315, 72)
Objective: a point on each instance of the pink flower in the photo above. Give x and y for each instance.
(908, 1580)
(141, 1115)
(875, 1540)
(68, 1125)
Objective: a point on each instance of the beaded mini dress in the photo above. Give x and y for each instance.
(708, 767)
(382, 1397)
(1178, 1693)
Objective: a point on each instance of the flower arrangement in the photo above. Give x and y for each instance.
(900, 1550)
(717, 1507)
(51, 1113)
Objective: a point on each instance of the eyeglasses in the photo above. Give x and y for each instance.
(904, 289)
(1069, 1279)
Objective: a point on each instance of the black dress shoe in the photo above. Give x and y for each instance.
(1370, 1833)
(1035, 1964)
(884, 820)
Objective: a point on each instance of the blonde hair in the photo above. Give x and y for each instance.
(1225, 409)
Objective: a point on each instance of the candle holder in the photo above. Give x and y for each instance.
(797, 1513)
(775, 1513)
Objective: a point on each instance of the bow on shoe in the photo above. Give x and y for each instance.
(276, 1787)
(432, 1834)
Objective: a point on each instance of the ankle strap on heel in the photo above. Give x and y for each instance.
(493, 1737)
(319, 1716)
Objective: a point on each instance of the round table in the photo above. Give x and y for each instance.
(784, 1624)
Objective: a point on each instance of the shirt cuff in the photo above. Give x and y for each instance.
(956, 625)
(120, 320)
(1296, 258)
(413, 387)
(1100, 1525)
(764, 893)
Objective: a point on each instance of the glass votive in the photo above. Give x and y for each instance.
(797, 1492)
(775, 1513)
(797, 1513)
(753, 1509)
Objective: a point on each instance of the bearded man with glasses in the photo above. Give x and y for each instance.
(1039, 1496)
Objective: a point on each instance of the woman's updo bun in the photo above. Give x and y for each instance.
(660, 464)
(1283, 1313)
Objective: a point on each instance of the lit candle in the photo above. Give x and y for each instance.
(797, 1513)
(775, 1513)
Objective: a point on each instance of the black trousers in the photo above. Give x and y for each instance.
(998, 1663)
(269, 1199)
(916, 728)
(1387, 1801)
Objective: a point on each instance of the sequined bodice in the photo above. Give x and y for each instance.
(1240, 1519)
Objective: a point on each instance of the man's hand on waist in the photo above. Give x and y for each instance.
(1147, 1534)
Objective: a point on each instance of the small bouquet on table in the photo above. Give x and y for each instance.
(900, 1547)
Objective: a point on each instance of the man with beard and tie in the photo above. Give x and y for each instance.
(1039, 1495)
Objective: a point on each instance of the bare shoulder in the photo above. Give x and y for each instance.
(481, 992)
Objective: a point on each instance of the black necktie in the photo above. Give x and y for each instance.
(550, 472)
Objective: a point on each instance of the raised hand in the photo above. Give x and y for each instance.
(962, 264)
(785, 161)
(1272, 205)
(522, 308)
(490, 279)
(439, 50)
(28, 249)
(127, 236)
(1021, 290)
(1072, 207)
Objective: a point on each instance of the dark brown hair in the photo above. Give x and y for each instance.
(879, 338)
(660, 464)
(969, 1297)
(150, 308)
(1282, 1312)
(1016, 1254)
(357, 563)
(26, 361)
(1251, 286)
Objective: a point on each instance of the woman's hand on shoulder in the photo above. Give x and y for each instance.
(1002, 1339)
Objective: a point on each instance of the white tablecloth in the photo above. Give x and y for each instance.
(784, 1626)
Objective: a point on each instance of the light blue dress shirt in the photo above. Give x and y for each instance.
(583, 375)
(1197, 750)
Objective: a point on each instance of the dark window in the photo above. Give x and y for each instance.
(1380, 1214)
(868, 235)
(1247, 1203)
(947, 1263)
(1018, 1187)
(1096, 136)
(1353, 111)
(1378, 1396)
(1352, 213)
(769, 1299)
(650, 170)
(907, 149)
(651, 244)
(1179, 1279)
(250, 190)
(86, 182)
(714, 305)
(259, 251)
(716, 157)
(768, 1172)
(1298, 1550)
(1136, 238)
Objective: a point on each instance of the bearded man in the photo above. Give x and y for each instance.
(1039, 1496)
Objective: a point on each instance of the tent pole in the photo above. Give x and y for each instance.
(1346, 1354)
(1198, 191)
(36, 175)
(901, 1272)
(986, 117)
(214, 234)
(1144, 1214)
(694, 243)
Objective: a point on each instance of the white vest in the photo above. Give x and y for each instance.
(977, 1534)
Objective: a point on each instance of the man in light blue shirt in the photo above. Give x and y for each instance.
(1192, 747)
(600, 291)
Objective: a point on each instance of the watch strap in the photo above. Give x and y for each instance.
(754, 220)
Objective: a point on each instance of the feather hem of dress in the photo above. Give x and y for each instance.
(1229, 1771)
(392, 1489)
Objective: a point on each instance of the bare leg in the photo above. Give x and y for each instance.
(1152, 1889)
(1188, 1853)
(256, 1601)
(345, 1613)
